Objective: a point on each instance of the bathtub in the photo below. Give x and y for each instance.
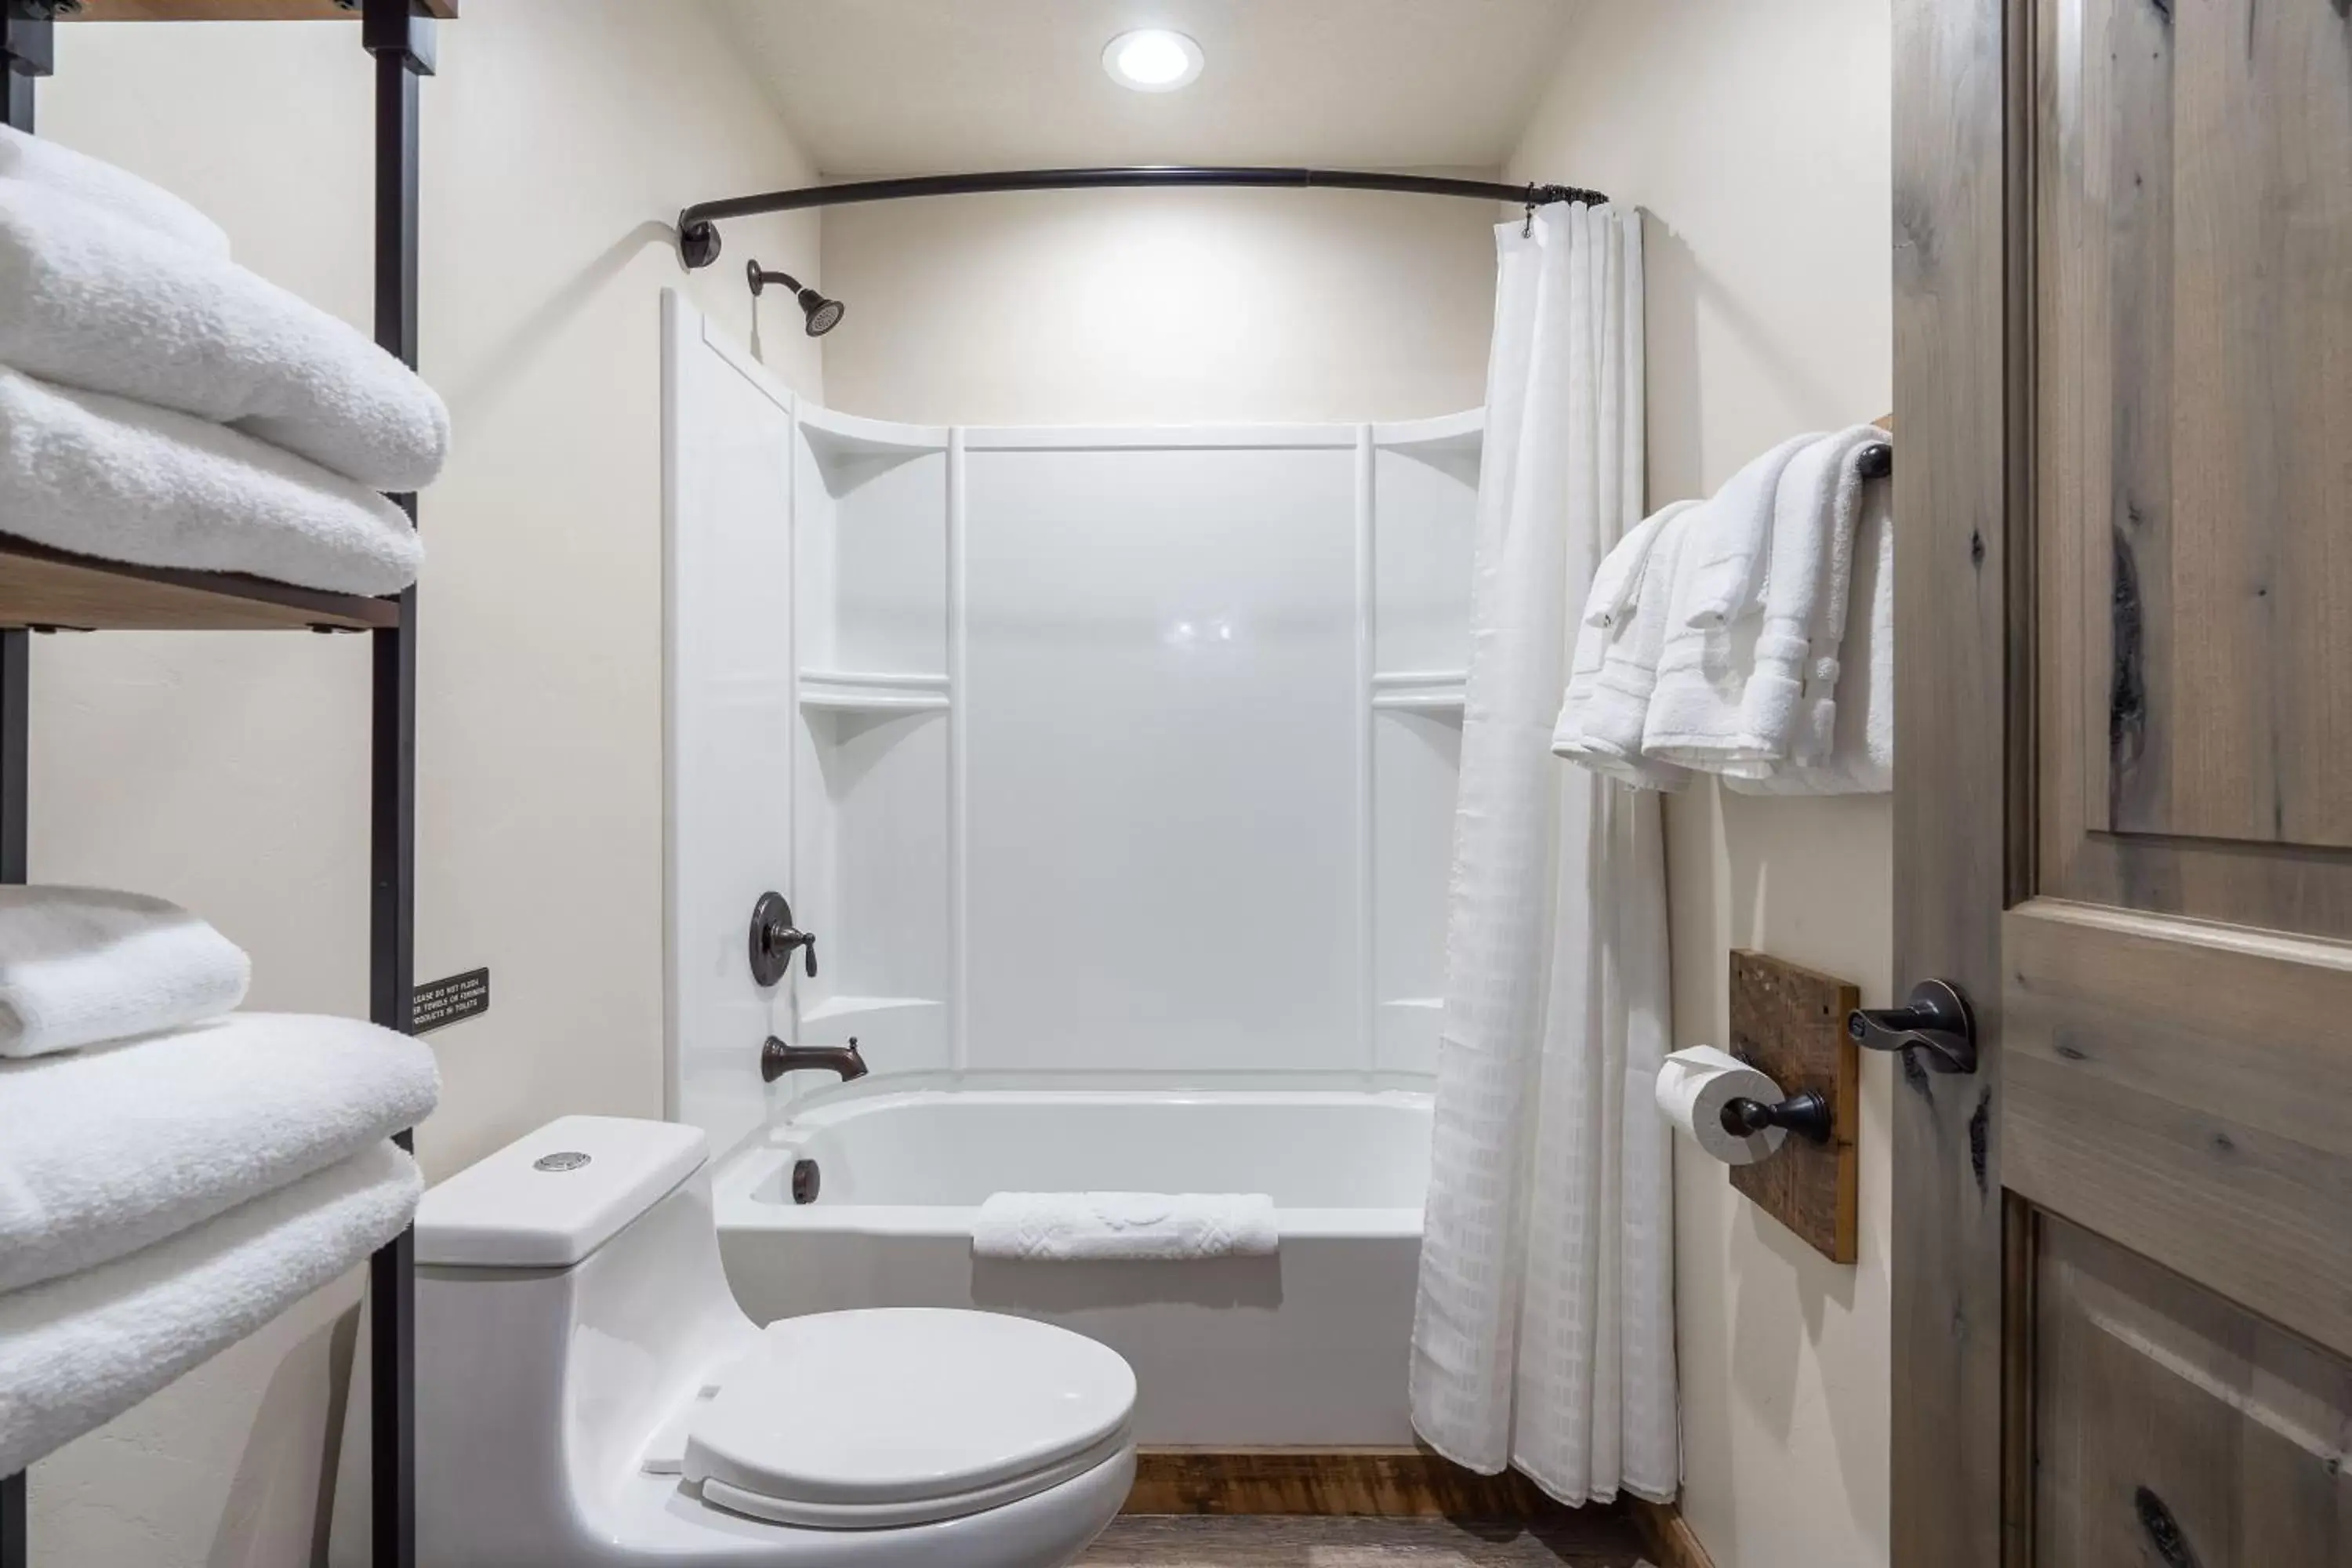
(1306, 1348)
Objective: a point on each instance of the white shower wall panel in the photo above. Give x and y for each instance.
(1162, 694)
(1428, 497)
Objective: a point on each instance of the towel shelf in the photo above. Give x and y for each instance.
(42, 587)
(56, 588)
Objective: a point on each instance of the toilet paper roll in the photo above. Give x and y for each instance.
(1695, 1086)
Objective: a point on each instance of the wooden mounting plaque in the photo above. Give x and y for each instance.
(1789, 1022)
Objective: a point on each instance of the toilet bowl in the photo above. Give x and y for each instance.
(589, 1395)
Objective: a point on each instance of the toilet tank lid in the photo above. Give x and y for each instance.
(551, 1197)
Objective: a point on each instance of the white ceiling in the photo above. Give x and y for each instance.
(891, 87)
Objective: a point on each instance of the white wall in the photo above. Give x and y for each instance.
(231, 770)
(1160, 306)
(1756, 134)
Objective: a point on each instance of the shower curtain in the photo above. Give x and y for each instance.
(1543, 1334)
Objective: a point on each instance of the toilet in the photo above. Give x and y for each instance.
(588, 1394)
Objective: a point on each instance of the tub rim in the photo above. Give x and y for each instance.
(737, 1181)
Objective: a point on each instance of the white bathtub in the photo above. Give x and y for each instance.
(1306, 1348)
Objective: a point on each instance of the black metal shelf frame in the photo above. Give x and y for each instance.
(400, 39)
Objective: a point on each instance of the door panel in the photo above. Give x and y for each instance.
(2174, 1429)
(2201, 157)
(2174, 1032)
(2182, 1088)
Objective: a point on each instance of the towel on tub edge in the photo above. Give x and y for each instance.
(1058, 1228)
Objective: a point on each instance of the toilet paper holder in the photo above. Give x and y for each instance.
(1788, 1023)
(1805, 1113)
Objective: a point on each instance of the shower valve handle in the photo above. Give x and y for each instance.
(774, 935)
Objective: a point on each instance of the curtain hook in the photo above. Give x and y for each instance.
(1528, 229)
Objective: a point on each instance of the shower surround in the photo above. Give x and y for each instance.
(1114, 771)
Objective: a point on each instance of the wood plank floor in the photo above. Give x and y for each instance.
(1155, 1540)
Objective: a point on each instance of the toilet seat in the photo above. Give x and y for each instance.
(896, 1416)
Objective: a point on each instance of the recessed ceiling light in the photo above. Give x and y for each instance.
(1152, 61)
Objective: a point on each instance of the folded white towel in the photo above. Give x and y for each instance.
(1846, 740)
(1046, 1228)
(1611, 608)
(78, 965)
(1724, 563)
(1614, 715)
(78, 1351)
(1813, 523)
(90, 300)
(115, 1147)
(107, 477)
(1710, 712)
(23, 156)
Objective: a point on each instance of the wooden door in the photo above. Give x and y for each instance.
(2123, 1253)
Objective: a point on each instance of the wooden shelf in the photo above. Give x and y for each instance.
(45, 587)
(232, 11)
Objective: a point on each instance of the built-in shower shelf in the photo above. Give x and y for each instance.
(850, 450)
(1421, 690)
(1417, 1003)
(834, 1009)
(866, 691)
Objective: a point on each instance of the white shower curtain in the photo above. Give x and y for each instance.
(1543, 1335)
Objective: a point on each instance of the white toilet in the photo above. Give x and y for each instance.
(589, 1395)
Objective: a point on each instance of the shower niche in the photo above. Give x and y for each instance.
(1119, 756)
(870, 553)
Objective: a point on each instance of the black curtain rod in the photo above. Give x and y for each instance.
(698, 237)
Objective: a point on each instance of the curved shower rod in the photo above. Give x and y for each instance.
(698, 233)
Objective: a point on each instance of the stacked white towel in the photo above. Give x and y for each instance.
(124, 481)
(172, 408)
(78, 1351)
(78, 965)
(1058, 1227)
(108, 1150)
(172, 1173)
(94, 182)
(1731, 659)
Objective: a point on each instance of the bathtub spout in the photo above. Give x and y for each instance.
(777, 1058)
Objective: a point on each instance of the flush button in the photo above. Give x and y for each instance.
(569, 1160)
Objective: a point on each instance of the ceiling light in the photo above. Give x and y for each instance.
(1152, 61)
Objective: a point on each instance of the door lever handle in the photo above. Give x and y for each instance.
(1935, 1020)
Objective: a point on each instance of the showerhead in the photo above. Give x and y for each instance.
(821, 314)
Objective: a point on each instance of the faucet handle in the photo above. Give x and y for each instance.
(774, 935)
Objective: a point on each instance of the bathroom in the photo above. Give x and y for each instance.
(1064, 598)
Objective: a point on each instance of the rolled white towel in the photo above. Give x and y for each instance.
(78, 965)
(1813, 523)
(1610, 610)
(78, 1351)
(116, 1147)
(1616, 713)
(107, 477)
(1053, 1228)
(1845, 734)
(88, 299)
(38, 161)
(1728, 691)
(1725, 560)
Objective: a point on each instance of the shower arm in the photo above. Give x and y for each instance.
(698, 232)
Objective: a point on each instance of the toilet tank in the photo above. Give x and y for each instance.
(570, 1299)
(551, 1197)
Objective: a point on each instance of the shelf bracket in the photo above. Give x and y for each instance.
(400, 29)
